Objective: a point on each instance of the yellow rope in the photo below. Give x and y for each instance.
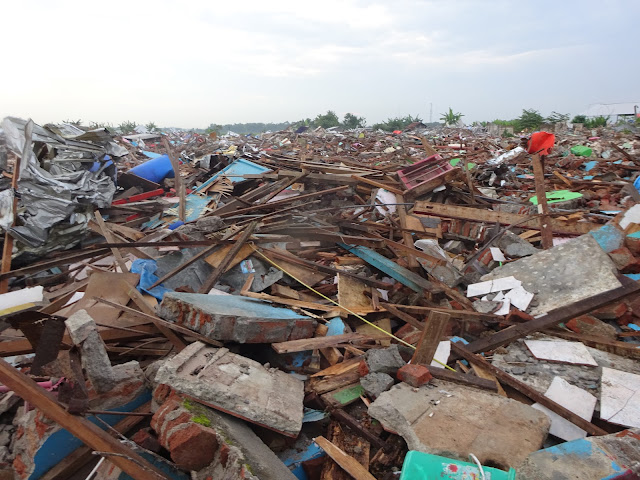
(341, 306)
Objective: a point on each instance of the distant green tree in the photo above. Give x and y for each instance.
(449, 118)
(556, 117)
(352, 121)
(397, 123)
(128, 127)
(214, 127)
(596, 122)
(579, 119)
(96, 125)
(328, 120)
(530, 119)
(151, 127)
(75, 123)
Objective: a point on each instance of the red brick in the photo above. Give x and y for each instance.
(414, 375)
(590, 325)
(625, 261)
(363, 368)
(633, 244)
(161, 393)
(611, 312)
(146, 440)
(193, 447)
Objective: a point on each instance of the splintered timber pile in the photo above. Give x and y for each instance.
(317, 304)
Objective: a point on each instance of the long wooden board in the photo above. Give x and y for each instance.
(504, 218)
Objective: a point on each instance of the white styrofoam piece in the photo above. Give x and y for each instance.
(519, 298)
(505, 283)
(573, 398)
(477, 289)
(505, 308)
(442, 353)
(563, 352)
(74, 298)
(631, 216)
(497, 254)
(20, 297)
(497, 285)
(388, 199)
(620, 397)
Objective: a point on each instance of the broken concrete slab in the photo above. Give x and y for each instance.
(454, 420)
(236, 385)
(193, 276)
(620, 397)
(613, 456)
(564, 274)
(514, 246)
(95, 360)
(385, 360)
(235, 319)
(375, 383)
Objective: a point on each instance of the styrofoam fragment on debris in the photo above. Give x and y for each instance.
(563, 352)
(442, 353)
(482, 288)
(497, 254)
(574, 399)
(505, 308)
(519, 298)
(21, 297)
(620, 397)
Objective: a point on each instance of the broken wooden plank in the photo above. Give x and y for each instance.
(504, 218)
(83, 455)
(323, 342)
(430, 339)
(110, 238)
(224, 263)
(470, 380)
(624, 349)
(139, 300)
(351, 444)
(349, 464)
(374, 183)
(553, 318)
(91, 435)
(541, 195)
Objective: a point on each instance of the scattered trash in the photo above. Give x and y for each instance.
(317, 303)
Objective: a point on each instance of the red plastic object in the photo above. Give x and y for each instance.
(541, 142)
(139, 197)
(425, 175)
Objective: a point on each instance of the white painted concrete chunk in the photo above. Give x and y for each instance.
(442, 353)
(563, 352)
(573, 398)
(497, 254)
(237, 385)
(519, 298)
(620, 397)
(497, 285)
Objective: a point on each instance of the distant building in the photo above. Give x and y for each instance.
(614, 111)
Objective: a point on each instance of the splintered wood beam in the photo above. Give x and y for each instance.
(81, 456)
(525, 389)
(323, 342)
(224, 263)
(405, 317)
(139, 300)
(456, 377)
(110, 238)
(553, 318)
(543, 208)
(430, 339)
(346, 462)
(85, 431)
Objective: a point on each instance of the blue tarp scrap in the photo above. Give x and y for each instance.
(147, 269)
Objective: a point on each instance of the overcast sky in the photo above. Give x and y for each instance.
(192, 63)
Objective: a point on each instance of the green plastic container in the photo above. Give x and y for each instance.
(558, 196)
(581, 151)
(423, 466)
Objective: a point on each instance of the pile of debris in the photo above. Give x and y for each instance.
(319, 304)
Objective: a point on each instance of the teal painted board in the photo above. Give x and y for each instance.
(412, 280)
(235, 171)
